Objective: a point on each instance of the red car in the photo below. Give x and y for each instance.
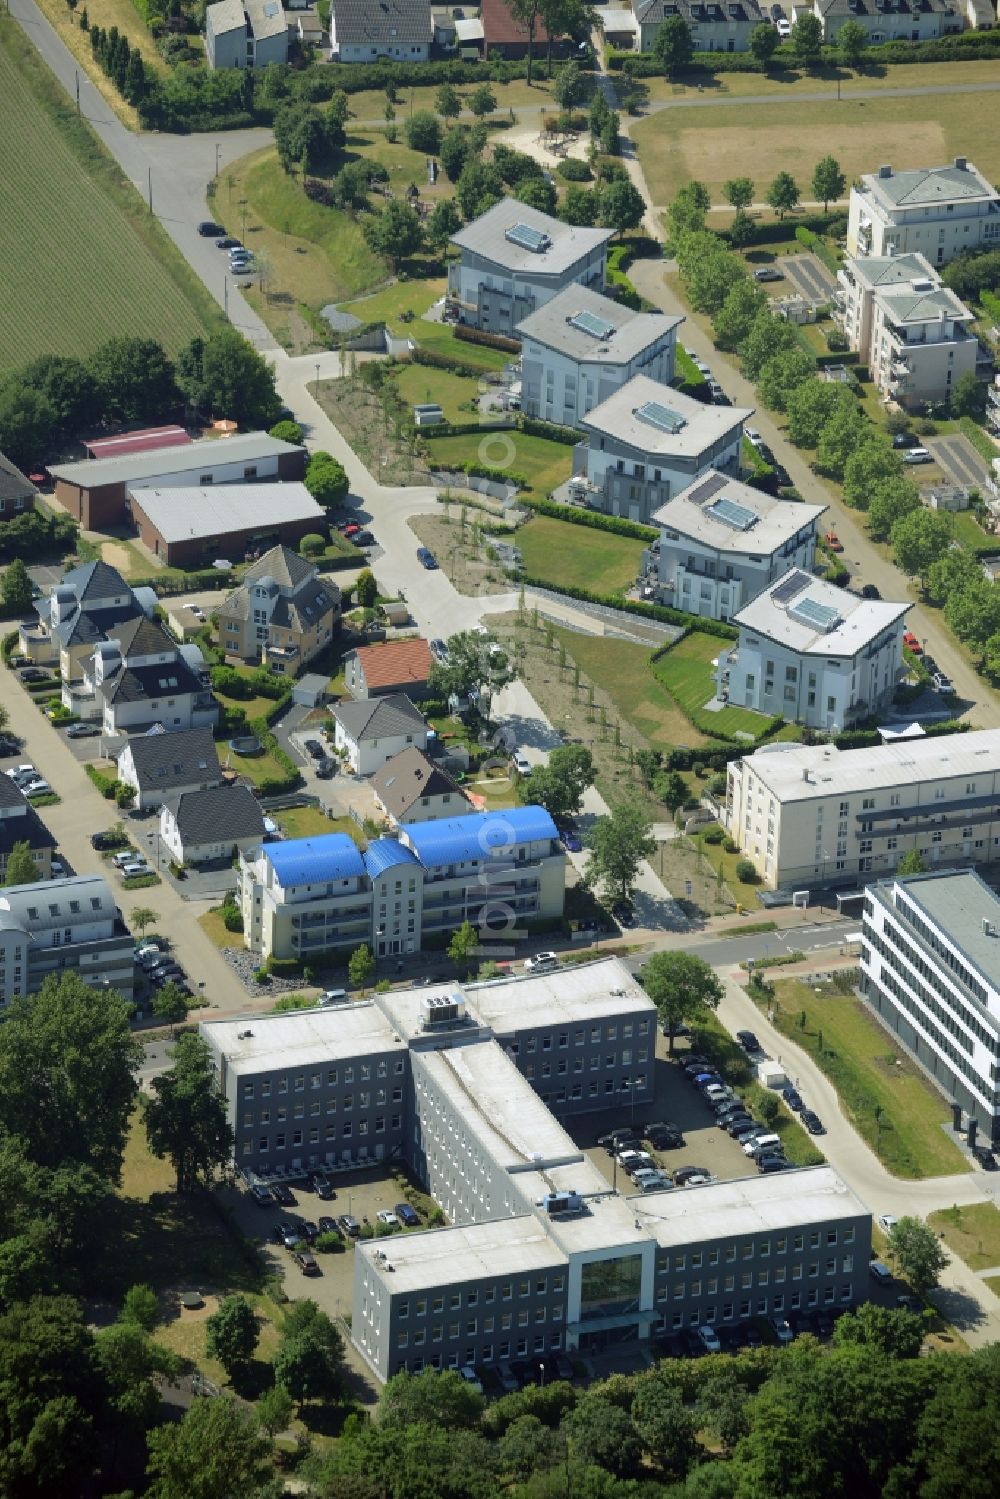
(912, 643)
(351, 530)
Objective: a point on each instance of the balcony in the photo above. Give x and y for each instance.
(281, 652)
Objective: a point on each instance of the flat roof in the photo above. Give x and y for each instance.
(899, 763)
(145, 440)
(570, 994)
(782, 613)
(220, 509)
(584, 325)
(300, 1038)
(705, 512)
(959, 904)
(132, 469)
(749, 1205)
(700, 426)
(607, 1221)
(568, 243)
(471, 1252)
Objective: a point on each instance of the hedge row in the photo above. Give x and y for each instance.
(434, 359)
(593, 519)
(963, 47)
(534, 427)
(660, 612)
(468, 335)
(204, 578)
(867, 738)
(774, 232)
(461, 429)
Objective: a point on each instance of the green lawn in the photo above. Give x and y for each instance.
(686, 671)
(84, 261)
(973, 1233)
(577, 556)
(860, 1059)
(402, 296)
(441, 337)
(418, 383)
(311, 822)
(968, 530)
(543, 463)
(622, 670)
(253, 768)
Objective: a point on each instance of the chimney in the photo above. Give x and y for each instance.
(960, 164)
(885, 171)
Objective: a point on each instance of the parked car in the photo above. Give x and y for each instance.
(760, 1144)
(942, 683)
(82, 731)
(33, 674)
(833, 541)
(37, 787)
(314, 749)
(388, 1217)
(912, 643)
(326, 768)
(328, 1225)
(306, 1262)
(782, 1329)
(710, 1339)
(880, 1272)
(869, 591)
(903, 440)
(468, 1375)
(542, 962)
(407, 1215)
(684, 1173)
(508, 1381)
(813, 1122)
(768, 1165)
(290, 1236)
(917, 455)
(323, 1188)
(208, 228)
(261, 1195)
(521, 763)
(784, 29)
(570, 841)
(349, 1226)
(129, 871)
(364, 538)
(228, 243)
(768, 273)
(793, 1098)
(748, 1040)
(427, 559)
(985, 1158)
(283, 1194)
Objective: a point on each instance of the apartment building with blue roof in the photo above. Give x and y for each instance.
(312, 896)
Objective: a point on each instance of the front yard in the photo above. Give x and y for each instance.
(544, 464)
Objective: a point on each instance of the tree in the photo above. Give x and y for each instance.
(872, 463)
(917, 1251)
(27, 424)
(216, 1451)
(17, 597)
(665, 1426)
(129, 1360)
(456, 148)
(287, 431)
(537, 193)
(952, 1445)
(686, 214)
(423, 132)
(767, 336)
(810, 407)
(463, 946)
(477, 666)
(527, 1447)
(744, 303)
(912, 862)
(21, 867)
(739, 190)
(839, 438)
(711, 276)
(682, 986)
(618, 843)
(579, 206)
(274, 1410)
(170, 1004)
(852, 44)
(232, 1333)
(918, 539)
(559, 786)
(783, 195)
(361, 966)
(482, 100)
(71, 1046)
(967, 398)
(366, 588)
(185, 1116)
(310, 1356)
(722, 1408)
(621, 206)
(673, 46)
(135, 379)
(807, 40)
(447, 102)
(890, 501)
(894, 1331)
(526, 11)
(140, 1307)
(326, 480)
(395, 233)
(974, 613)
(954, 571)
(225, 376)
(763, 43)
(441, 1400)
(66, 384)
(672, 790)
(741, 230)
(141, 917)
(445, 220)
(828, 181)
(782, 374)
(568, 86)
(602, 1434)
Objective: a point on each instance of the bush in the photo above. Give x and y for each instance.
(329, 1244)
(747, 872)
(574, 171)
(232, 916)
(591, 518)
(107, 785)
(312, 545)
(287, 431)
(435, 359)
(730, 845)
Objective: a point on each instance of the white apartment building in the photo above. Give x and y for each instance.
(815, 815)
(514, 258)
(933, 211)
(914, 333)
(141, 678)
(647, 441)
(580, 347)
(884, 20)
(723, 26)
(813, 654)
(722, 541)
(54, 926)
(930, 969)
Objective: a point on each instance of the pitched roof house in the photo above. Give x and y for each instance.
(162, 765)
(200, 826)
(283, 596)
(372, 731)
(17, 494)
(395, 666)
(363, 30)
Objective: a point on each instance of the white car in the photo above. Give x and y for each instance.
(784, 29)
(887, 1222)
(917, 455)
(133, 868)
(36, 788)
(521, 763)
(542, 962)
(388, 1217)
(469, 1376)
(710, 1338)
(753, 436)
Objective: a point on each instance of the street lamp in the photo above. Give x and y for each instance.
(218, 148)
(317, 376)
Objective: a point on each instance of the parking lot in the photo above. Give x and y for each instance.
(808, 276)
(959, 461)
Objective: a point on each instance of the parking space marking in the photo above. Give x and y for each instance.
(959, 459)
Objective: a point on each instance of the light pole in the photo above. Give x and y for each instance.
(243, 220)
(218, 148)
(317, 378)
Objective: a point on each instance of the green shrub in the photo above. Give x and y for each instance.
(329, 1244)
(730, 845)
(714, 835)
(261, 976)
(312, 545)
(574, 171)
(592, 518)
(286, 431)
(746, 872)
(232, 916)
(106, 784)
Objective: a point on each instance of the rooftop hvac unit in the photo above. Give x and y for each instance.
(443, 1009)
(557, 1203)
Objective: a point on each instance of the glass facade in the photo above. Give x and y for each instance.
(609, 1288)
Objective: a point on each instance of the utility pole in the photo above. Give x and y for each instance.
(225, 300)
(77, 77)
(149, 183)
(217, 150)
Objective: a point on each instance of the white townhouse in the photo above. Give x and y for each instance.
(377, 729)
(646, 442)
(580, 347)
(885, 20)
(933, 211)
(722, 541)
(812, 815)
(514, 258)
(367, 30)
(715, 25)
(813, 654)
(930, 969)
(52, 926)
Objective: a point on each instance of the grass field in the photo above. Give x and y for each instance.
(785, 83)
(311, 822)
(686, 670)
(870, 1072)
(543, 463)
(84, 259)
(760, 140)
(215, 929)
(577, 556)
(621, 669)
(418, 383)
(973, 1233)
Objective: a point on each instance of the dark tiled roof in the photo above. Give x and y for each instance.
(13, 484)
(652, 11)
(167, 761)
(286, 567)
(407, 777)
(11, 794)
(95, 580)
(218, 815)
(28, 829)
(142, 637)
(306, 606)
(379, 717)
(139, 684)
(87, 626)
(377, 20)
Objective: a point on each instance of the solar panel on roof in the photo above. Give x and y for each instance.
(789, 587)
(810, 612)
(654, 414)
(527, 237)
(589, 322)
(705, 490)
(739, 517)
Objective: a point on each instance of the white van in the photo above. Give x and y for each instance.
(761, 1143)
(333, 997)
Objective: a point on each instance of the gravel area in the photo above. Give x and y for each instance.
(245, 964)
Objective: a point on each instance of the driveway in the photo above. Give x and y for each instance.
(809, 276)
(959, 461)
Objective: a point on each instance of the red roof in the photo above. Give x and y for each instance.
(395, 663)
(144, 441)
(500, 26)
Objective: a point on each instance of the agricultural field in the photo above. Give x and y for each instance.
(759, 140)
(83, 259)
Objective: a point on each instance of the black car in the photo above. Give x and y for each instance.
(309, 1231)
(427, 559)
(9, 747)
(793, 1098)
(363, 539)
(283, 1194)
(328, 1225)
(103, 841)
(261, 1195)
(326, 768)
(782, 475)
(748, 1040)
(769, 1165)
(813, 1122)
(902, 440)
(349, 1226)
(985, 1158)
(33, 674)
(869, 591)
(314, 749)
(228, 243)
(623, 913)
(209, 229)
(324, 1190)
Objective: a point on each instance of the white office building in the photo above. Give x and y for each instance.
(811, 815)
(646, 442)
(813, 654)
(930, 969)
(514, 258)
(580, 347)
(722, 541)
(933, 211)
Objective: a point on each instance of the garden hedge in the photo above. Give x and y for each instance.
(591, 518)
(659, 612)
(468, 335)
